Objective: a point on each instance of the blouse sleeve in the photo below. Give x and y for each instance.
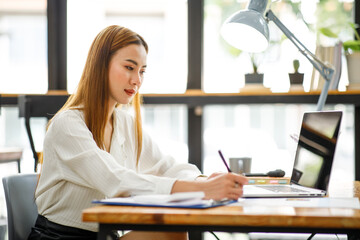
(70, 150)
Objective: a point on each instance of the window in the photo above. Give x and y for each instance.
(167, 37)
(23, 46)
(266, 134)
(242, 130)
(303, 18)
(167, 124)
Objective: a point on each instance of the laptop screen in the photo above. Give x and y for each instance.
(316, 149)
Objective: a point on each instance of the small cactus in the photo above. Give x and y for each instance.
(296, 65)
(296, 78)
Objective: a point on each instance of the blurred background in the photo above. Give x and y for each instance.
(260, 131)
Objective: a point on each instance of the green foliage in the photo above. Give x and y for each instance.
(328, 33)
(255, 61)
(254, 67)
(335, 21)
(349, 45)
(353, 27)
(352, 45)
(332, 18)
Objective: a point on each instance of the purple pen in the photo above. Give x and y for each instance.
(223, 159)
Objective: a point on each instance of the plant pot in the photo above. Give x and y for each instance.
(254, 78)
(296, 78)
(353, 66)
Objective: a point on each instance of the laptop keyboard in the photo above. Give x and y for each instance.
(281, 188)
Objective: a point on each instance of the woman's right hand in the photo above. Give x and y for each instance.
(218, 186)
(223, 185)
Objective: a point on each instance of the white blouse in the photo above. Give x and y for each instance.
(76, 171)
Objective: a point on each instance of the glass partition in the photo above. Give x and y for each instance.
(225, 66)
(23, 46)
(162, 23)
(268, 134)
(167, 125)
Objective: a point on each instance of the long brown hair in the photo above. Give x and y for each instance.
(92, 93)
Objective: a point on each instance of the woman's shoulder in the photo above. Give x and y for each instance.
(68, 114)
(67, 117)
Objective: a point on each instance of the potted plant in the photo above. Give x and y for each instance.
(255, 77)
(296, 78)
(352, 53)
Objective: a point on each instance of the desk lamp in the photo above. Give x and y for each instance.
(248, 30)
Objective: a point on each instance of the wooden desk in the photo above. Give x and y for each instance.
(231, 218)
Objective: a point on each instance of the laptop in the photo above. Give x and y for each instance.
(313, 159)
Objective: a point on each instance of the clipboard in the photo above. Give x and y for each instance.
(178, 200)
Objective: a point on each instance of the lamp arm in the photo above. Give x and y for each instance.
(325, 71)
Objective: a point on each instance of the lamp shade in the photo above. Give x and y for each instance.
(247, 29)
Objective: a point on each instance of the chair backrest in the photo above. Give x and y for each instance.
(20, 203)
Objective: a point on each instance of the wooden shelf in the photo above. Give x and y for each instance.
(198, 97)
(249, 92)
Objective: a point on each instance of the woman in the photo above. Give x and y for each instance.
(93, 149)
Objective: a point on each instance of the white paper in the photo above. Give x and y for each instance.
(169, 198)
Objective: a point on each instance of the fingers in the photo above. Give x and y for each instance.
(235, 194)
(225, 185)
(236, 190)
(239, 181)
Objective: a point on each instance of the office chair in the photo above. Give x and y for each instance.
(20, 203)
(33, 106)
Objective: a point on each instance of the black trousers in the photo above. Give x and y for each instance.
(47, 230)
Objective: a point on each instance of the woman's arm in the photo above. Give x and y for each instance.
(71, 153)
(218, 186)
